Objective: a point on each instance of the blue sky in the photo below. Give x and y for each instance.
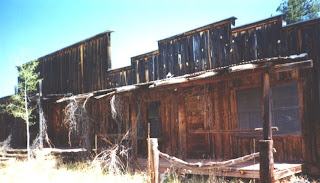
(30, 29)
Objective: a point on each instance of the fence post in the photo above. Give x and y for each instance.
(154, 161)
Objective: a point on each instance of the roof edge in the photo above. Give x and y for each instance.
(305, 22)
(205, 27)
(78, 43)
(145, 55)
(259, 22)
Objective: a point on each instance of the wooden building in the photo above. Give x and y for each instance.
(200, 91)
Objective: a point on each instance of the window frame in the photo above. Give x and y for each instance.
(234, 109)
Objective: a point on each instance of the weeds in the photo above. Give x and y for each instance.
(70, 117)
(114, 159)
(5, 145)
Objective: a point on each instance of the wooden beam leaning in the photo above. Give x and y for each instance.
(208, 165)
(266, 145)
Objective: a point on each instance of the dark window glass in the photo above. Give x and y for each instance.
(285, 108)
(249, 108)
(154, 118)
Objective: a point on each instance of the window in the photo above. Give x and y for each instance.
(249, 108)
(285, 108)
(154, 118)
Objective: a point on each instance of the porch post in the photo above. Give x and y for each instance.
(266, 145)
(154, 162)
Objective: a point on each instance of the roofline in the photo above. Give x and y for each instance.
(257, 23)
(78, 43)
(302, 23)
(6, 97)
(145, 55)
(119, 69)
(231, 19)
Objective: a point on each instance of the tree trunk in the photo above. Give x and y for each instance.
(41, 134)
(27, 120)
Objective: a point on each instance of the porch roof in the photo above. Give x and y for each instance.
(276, 64)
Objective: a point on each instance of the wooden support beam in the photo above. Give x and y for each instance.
(154, 160)
(293, 65)
(267, 113)
(266, 145)
(266, 162)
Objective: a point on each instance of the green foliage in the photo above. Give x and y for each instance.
(299, 10)
(28, 80)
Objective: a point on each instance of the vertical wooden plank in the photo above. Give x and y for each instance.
(183, 58)
(174, 125)
(81, 68)
(209, 49)
(234, 120)
(134, 130)
(204, 102)
(174, 57)
(108, 41)
(144, 123)
(196, 52)
(151, 68)
(190, 59)
(97, 65)
(146, 69)
(217, 120)
(182, 125)
(226, 116)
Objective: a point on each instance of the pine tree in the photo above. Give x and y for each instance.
(299, 10)
(20, 106)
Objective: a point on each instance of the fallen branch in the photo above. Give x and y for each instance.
(209, 165)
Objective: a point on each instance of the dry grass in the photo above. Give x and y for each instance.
(50, 170)
(44, 169)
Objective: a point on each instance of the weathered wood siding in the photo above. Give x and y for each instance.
(213, 107)
(78, 68)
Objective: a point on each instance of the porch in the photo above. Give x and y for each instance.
(249, 169)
